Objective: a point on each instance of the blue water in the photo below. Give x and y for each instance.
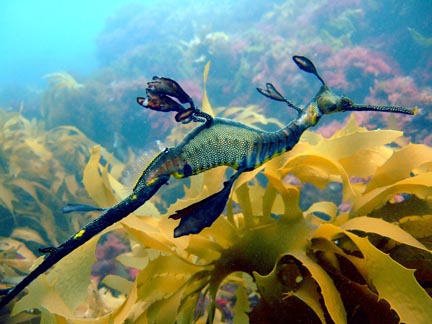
(372, 51)
(39, 37)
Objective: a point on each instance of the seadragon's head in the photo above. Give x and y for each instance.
(327, 102)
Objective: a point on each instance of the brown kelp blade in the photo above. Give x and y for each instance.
(306, 65)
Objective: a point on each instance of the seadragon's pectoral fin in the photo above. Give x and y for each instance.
(196, 217)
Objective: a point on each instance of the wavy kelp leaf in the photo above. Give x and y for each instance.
(322, 208)
(38, 147)
(308, 293)
(163, 277)
(243, 198)
(425, 167)
(94, 183)
(33, 188)
(206, 106)
(192, 294)
(320, 171)
(16, 255)
(64, 287)
(383, 228)
(118, 316)
(419, 185)
(7, 197)
(213, 179)
(339, 147)
(248, 176)
(241, 307)
(27, 234)
(121, 314)
(212, 251)
(276, 293)
(324, 160)
(199, 188)
(417, 226)
(165, 311)
(289, 193)
(365, 162)
(162, 284)
(413, 258)
(146, 236)
(363, 304)
(351, 126)
(250, 115)
(110, 182)
(346, 141)
(400, 165)
(222, 231)
(62, 80)
(409, 300)
(254, 192)
(331, 297)
(271, 203)
(71, 184)
(118, 283)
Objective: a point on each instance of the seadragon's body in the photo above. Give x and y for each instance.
(223, 142)
(215, 142)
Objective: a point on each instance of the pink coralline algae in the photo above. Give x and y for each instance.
(358, 61)
(107, 251)
(111, 247)
(399, 91)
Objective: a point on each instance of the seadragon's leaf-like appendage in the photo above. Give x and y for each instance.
(196, 217)
(307, 65)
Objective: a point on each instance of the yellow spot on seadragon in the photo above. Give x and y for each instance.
(79, 234)
(151, 181)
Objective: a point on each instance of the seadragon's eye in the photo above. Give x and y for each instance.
(328, 103)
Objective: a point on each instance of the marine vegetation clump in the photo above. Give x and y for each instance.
(267, 260)
(39, 171)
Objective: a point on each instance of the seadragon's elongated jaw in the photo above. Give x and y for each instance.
(329, 103)
(392, 109)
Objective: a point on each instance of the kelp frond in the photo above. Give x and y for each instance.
(62, 80)
(299, 265)
(39, 170)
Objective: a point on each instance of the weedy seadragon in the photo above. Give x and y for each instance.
(215, 142)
